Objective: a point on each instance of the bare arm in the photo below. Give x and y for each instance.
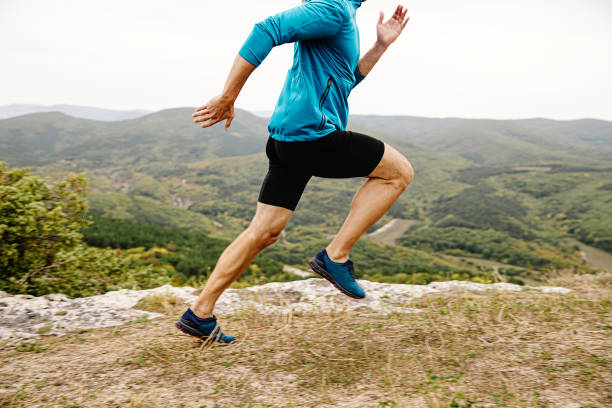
(314, 19)
(370, 58)
(386, 33)
(221, 107)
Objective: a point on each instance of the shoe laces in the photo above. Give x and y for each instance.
(350, 269)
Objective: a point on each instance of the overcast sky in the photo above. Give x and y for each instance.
(468, 58)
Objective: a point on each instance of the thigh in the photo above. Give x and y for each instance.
(348, 154)
(393, 164)
(284, 183)
(270, 217)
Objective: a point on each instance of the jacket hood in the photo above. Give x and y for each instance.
(355, 3)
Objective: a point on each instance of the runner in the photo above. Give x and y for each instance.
(307, 137)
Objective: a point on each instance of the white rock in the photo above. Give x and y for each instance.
(23, 316)
(296, 271)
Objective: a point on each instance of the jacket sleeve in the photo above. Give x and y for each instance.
(314, 19)
(358, 76)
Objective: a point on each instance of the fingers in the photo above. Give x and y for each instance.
(210, 123)
(400, 16)
(200, 112)
(380, 18)
(398, 12)
(207, 118)
(228, 123)
(405, 22)
(204, 117)
(216, 110)
(199, 109)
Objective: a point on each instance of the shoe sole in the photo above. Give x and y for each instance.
(185, 328)
(316, 268)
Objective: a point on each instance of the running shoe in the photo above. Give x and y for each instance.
(205, 329)
(341, 275)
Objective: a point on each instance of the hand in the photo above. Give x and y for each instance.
(388, 32)
(217, 109)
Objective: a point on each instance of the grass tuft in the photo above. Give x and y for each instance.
(167, 303)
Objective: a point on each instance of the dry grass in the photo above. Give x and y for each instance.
(167, 304)
(524, 349)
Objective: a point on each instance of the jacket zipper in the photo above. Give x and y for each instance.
(322, 101)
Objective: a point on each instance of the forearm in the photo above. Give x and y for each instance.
(238, 75)
(370, 58)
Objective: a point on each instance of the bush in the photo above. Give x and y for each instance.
(88, 271)
(40, 244)
(37, 221)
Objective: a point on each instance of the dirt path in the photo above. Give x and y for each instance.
(392, 230)
(594, 257)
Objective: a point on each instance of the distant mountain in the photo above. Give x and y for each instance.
(164, 136)
(495, 142)
(171, 136)
(478, 190)
(262, 113)
(85, 112)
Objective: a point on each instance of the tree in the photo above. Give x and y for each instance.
(38, 219)
(41, 248)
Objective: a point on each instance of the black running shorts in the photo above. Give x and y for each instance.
(340, 154)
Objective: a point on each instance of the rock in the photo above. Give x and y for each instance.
(58, 297)
(297, 271)
(22, 317)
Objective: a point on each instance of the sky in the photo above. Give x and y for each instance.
(502, 59)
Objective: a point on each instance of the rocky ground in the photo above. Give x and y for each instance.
(24, 317)
(303, 344)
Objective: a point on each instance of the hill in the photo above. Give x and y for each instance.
(85, 112)
(161, 137)
(170, 135)
(500, 142)
(470, 198)
(443, 345)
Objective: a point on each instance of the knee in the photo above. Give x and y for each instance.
(405, 173)
(264, 236)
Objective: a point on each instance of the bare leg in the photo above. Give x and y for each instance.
(264, 230)
(373, 199)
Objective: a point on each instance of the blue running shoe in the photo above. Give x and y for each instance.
(205, 329)
(341, 275)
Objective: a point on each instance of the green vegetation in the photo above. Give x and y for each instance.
(40, 244)
(42, 248)
(147, 210)
(191, 255)
(380, 262)
(503, 191)
(488, 244)
(519, 216)
(500, 142)
(45, 138)
(479, 208)
(37, 220)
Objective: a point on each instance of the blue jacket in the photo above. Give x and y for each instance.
(313, 102)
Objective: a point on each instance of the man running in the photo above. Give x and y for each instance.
(307, 138)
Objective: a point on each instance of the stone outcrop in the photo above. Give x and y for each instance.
(24, 317)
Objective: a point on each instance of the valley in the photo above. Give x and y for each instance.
(491, 200)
